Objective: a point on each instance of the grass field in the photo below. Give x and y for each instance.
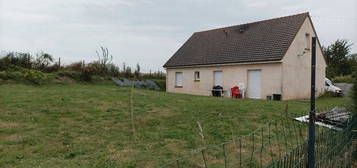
(90, 125)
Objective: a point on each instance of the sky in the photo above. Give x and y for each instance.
(149, 32)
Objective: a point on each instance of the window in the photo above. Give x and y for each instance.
(179, 79)
(197, 76)
(307, 41)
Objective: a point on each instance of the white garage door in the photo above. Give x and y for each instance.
(254, 84)
(218, 78)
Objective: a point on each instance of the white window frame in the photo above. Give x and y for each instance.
(307, 41)
(197, 76)
(178, 82)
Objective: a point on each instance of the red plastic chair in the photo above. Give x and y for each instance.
(236, 92)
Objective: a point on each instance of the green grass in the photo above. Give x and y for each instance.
(79, 125)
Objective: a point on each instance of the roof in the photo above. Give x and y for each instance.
(266, 40)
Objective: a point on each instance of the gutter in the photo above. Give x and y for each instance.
(227, 64)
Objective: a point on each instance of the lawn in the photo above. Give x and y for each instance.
(93, 125)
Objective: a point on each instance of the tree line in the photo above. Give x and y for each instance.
(103, 66)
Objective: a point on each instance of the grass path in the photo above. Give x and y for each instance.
(82, 125)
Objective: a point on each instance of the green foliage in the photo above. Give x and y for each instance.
(338, 58)
(161, 83)
(22, 74)
(34, 76)
(343, 79)
(14, 75)
(137, 71)
(15, 59)
(3, 75)
(154, 75)
(45, 62)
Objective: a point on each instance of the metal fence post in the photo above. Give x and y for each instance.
(311, 148)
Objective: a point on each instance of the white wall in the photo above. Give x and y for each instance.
(297, 67)
(232, 75)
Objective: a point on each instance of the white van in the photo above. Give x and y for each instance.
(330, 87)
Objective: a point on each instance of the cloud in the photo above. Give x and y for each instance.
(149, 31)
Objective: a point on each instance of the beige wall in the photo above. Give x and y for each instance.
(232, 75)
(297, 67)
(291, 77)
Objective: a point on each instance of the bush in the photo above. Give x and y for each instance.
(161, 83)
(86, 74)
(343, 79)
(15, 59)
(77, 66)
(34, 76)
(22, 74)
(15, 75)
(3, 75)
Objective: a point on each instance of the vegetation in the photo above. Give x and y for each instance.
(42, 68)
(344, 79)
(82, 125)
(340, 61)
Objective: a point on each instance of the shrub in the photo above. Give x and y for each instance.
(161, 83)
(15, 75)
(16, 59)
(34, 76)
(77, 66)
(86, 74)
(3, 75)
(22, 74)
(42, 61)
(343, 79)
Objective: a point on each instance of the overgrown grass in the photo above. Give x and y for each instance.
(89, 125)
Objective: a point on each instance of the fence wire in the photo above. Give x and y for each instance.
(278, 144)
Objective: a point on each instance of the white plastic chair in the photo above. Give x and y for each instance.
(242, 89)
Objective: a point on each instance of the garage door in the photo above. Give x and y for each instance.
(218, 78)
(254, 84)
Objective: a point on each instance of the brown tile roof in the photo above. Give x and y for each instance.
(266, 40)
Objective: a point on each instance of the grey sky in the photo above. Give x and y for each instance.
(150, 31)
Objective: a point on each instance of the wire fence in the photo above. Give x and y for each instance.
(280, 143)
(333, 149)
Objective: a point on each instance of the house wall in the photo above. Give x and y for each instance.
(297, 67)
(232, 75)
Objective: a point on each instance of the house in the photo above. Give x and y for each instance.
(263, 58)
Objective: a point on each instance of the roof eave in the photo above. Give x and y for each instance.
(223, 64)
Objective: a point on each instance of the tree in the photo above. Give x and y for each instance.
(104, 60)
(43, 60)
(137, 71)
(128, 73)
(337, 58)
